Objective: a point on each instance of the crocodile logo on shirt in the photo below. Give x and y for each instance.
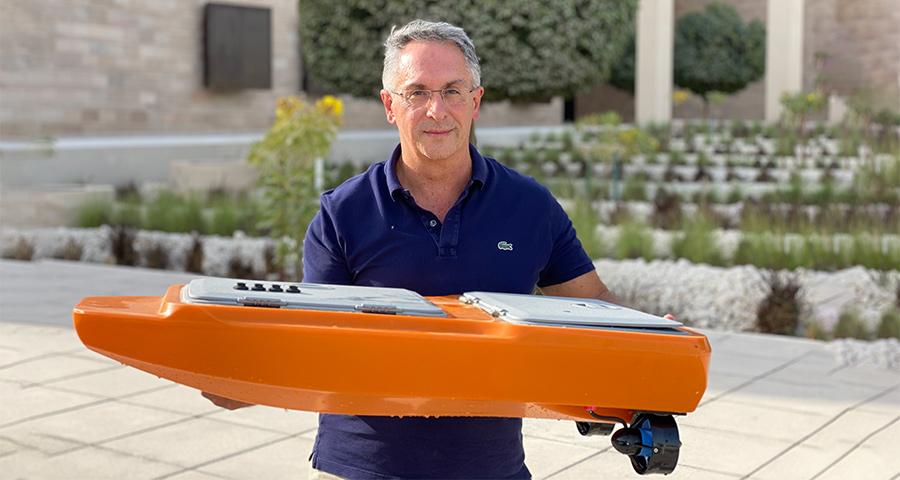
(504, 246)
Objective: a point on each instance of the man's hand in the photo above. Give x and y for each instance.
(226, 403)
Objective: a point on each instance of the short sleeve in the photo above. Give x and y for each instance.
(568, 259)
(324, 260)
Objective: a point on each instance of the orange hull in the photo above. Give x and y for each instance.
(466, 363)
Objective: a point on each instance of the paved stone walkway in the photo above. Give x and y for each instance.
(775, 408)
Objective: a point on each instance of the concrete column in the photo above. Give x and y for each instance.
(654, 48)
(784, 52)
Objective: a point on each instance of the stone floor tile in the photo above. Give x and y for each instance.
(49, 369)
(115, 382)
(288, 458)
(199, 475)
(193, 442)
(20, 404)
(28, 340)
(866, 375)
(825, 446)
(727, 453)
(752, 419)
(563, 431)
(289, 422)
(769, 346)
(876, 459)
(175, 398)
(887, 404)
(546, 457)
(817, 395)
(92, 464)
(729, 363)
(93, 424)
(719, 384)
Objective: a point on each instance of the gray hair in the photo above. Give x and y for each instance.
(424, 31)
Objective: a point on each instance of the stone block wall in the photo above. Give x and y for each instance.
(135, 67)
(80, 67)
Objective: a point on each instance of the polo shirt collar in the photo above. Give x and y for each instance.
(396, 190)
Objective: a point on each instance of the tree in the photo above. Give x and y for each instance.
(529, 50)
(621, 73)
(716, 52)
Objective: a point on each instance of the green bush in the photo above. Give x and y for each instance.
(759, 249)
(889, 327)
(715, 51)
(697, 242)
(850, 325)
(527, 50)
(635, 241)
(635, 189)
(128, 215)
(302, 132)
(95, 212)
(584, 219)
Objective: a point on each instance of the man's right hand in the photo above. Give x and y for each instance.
(224, 402)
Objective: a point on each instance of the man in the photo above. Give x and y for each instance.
(439, 219)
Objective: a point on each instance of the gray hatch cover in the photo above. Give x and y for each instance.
(562, 311)
(308, 296)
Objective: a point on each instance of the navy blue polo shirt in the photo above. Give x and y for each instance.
(506, 233)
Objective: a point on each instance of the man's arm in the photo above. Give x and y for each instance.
(588, 285)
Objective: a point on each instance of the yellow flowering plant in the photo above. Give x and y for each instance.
(301, 133)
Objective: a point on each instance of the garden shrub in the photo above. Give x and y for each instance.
(194, 260)
(239, 266)
(527, 51)
(71, 250)
(635, 241)
(128, 215)
(224, 219)
(95, 212)
(667, 212)
(850, 325)
(697, 242)
(23, 249)
(635, 189)
(121, 240)
(781, 310)
(759, 249)
(815, 331)
(584, 219)
(889, 327)
(157, 255)
(301, 133)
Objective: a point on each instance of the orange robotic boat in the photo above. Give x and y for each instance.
(386, 351)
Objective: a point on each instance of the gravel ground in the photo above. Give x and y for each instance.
(701, 296)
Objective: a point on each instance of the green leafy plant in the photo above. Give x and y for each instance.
(95, 212)
(697, 242)
(781, 310)
(527, 51)
(301, 133)
(889, 327)
(715, 51)
(850, 325)
(635, 241)
(584, 219)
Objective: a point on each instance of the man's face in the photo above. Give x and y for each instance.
(435, 130)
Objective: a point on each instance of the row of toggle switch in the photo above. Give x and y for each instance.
(258, 287)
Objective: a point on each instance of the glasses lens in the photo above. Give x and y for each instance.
(420, 98)
(453, 96)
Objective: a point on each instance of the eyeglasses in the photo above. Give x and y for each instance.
(419, 98)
